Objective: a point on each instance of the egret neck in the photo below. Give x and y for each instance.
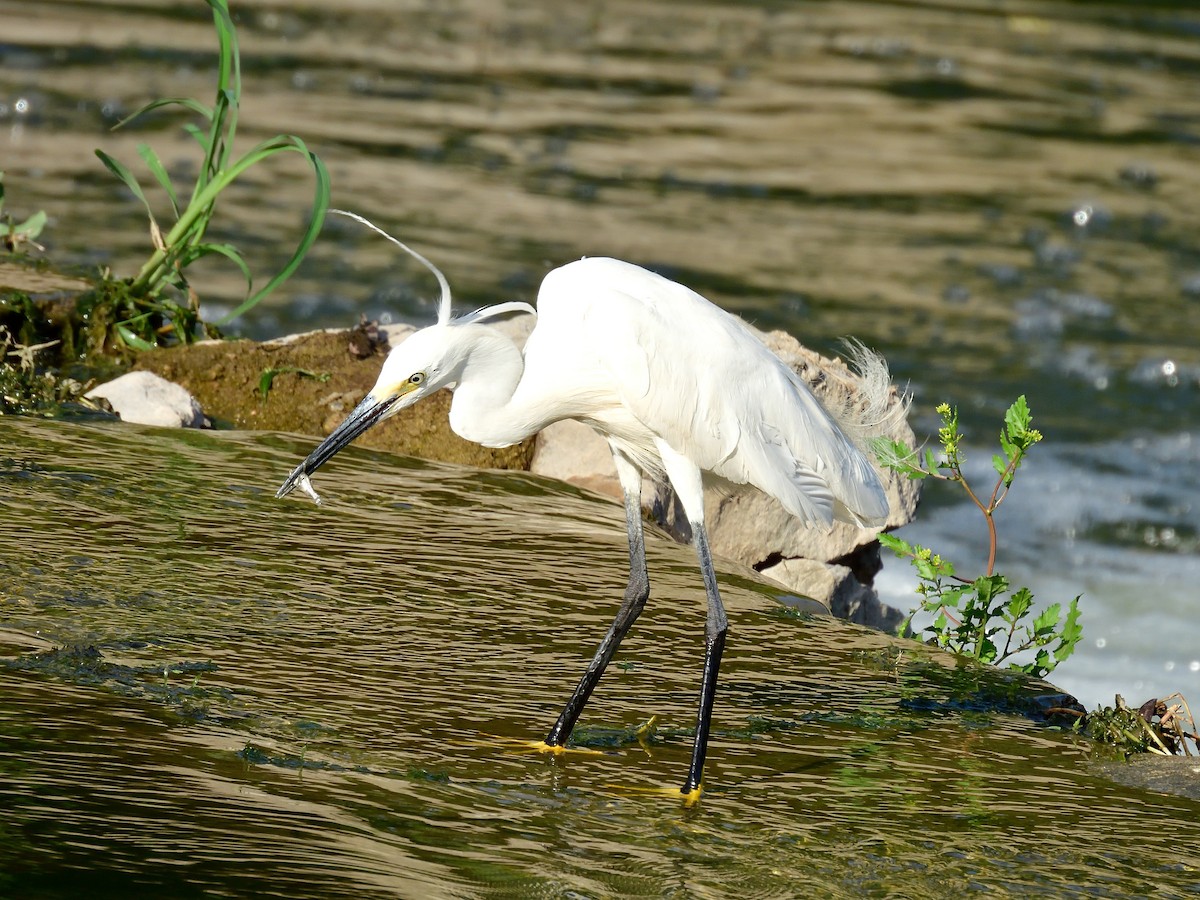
(485, 409)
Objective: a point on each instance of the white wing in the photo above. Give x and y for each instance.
(696, 377)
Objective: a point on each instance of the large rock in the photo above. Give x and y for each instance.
(146, 399)
(574, 452)
(845, 596)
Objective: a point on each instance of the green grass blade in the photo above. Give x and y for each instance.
(197, 134)
(132, 340)
(128, 178)
(218, 144)
(320, 208)
(194, 105)
(229, 77)
(159, 171)
(212, 146)
(229, 251)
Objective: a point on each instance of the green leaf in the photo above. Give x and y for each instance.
(933, 568)
(899, 546)
(989, 587)
(320, 208)
(227, 250)
(1017, 419)
(159, 171)
(1017, 436)
(939, 626)
(1018, 605)
(926, 568)
(196, 133)
(127, 177)
(1047, 620)
(1043, 663)
(985, 651)
(1000, 464)
(132, 340)
(1070, 634)
(898, 456)
(265, 380)
(194, 105)
(952, 597)
(28, 229)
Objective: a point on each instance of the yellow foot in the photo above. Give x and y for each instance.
(689, 799)
(559, 750)
(493, 740)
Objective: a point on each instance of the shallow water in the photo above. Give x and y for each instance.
(285, 700)
(1002, 198)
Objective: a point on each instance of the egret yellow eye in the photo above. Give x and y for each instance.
(416, 378)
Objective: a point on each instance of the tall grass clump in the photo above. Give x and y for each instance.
(151, 307)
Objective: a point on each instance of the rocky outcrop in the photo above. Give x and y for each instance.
(146, 399)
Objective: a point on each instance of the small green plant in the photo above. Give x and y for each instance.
(149, 311)
(14, 234)
(267, 378)
(979, 617)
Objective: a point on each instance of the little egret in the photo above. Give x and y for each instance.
(681, 389)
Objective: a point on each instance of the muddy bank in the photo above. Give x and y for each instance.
(307, 385)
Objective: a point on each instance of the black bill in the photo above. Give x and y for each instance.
(363, 417)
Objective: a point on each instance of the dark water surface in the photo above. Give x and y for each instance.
(266, 698)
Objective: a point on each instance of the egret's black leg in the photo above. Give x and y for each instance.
(688, 482)
(715, 627)
(632, 605)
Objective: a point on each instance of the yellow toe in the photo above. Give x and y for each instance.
(559, 750)
(670, 793)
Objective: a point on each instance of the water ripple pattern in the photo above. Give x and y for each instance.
(209, 691)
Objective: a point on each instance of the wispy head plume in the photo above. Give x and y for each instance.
(443, 315)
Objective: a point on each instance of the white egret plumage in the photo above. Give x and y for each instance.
(680, 388)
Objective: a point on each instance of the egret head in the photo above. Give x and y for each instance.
(426, 361)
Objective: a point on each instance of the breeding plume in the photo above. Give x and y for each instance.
(681, 390)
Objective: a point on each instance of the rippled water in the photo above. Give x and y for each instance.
(1000, 197)
(266, 698)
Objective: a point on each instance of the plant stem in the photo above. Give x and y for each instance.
(202, 204)
(987, 514)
